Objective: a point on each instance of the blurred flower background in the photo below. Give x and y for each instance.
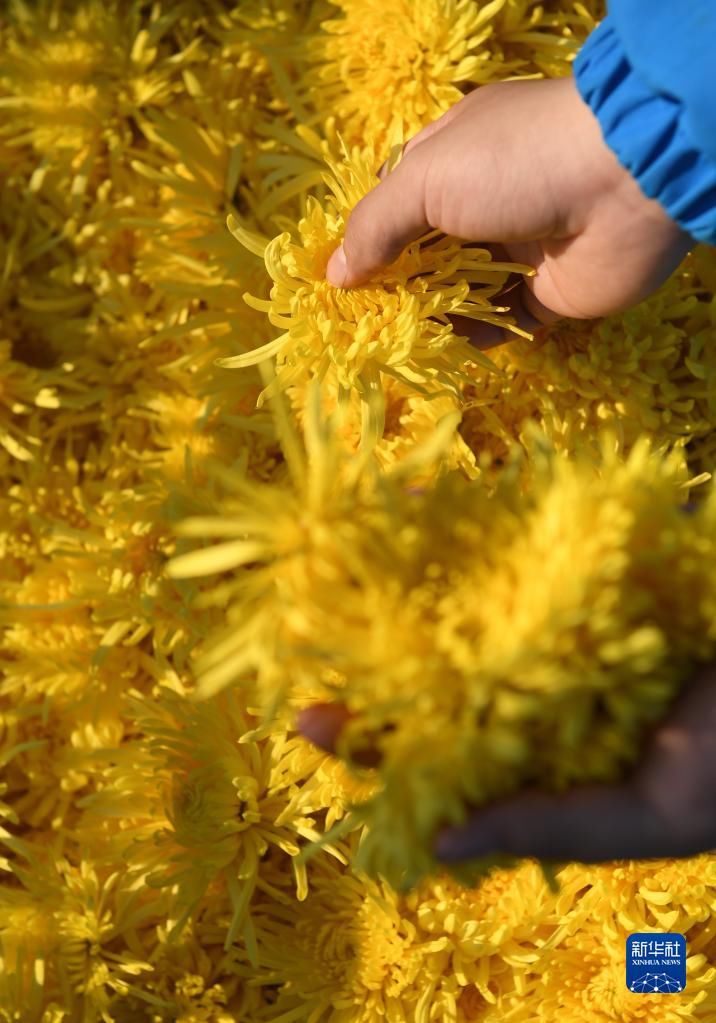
(218, 510)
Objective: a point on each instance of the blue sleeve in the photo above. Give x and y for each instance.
(648, 72)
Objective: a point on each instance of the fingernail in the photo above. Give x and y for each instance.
(322, 723)
(337, 269)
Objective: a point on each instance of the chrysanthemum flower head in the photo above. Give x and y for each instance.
(440, 951)
(78, 918)
(386, 73)
(585, 976)
(44, 632)
(576, 622)
(71, 78)
(324, 527)
(204, 800)
(533, 38)
(346, 948)
(68, 612)
(187, 984)
(187, 432)
(655, 894)
(396, 326)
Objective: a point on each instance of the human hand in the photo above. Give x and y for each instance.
(667, 807)
(523, 165)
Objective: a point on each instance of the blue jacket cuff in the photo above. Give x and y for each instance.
(647, 133)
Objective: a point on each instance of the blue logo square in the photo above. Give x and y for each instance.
(656, 963)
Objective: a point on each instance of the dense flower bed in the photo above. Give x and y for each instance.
(217, 510)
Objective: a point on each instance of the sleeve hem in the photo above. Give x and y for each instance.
(647, 133)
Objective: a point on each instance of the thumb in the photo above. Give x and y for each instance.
(384, 221)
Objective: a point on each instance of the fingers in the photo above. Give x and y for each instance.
(678, 772)
(666, 809)
(657, 814)
(590, 824)
(530, 312)
(459, 175)
(391, 216)
(388, 218)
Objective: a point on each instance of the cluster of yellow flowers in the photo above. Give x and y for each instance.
(171, 849)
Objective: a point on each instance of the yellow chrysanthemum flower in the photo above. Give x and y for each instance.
(385, 73)
(585, 978)
(531, 38)
(65, 930)
(203, 799)
(410, 421)
(70, 79)
(397, 327)
(95, 561)
(356, 572)
(191, 980)
(355, 950)
(319, 528)
(657, 895)
(346, 954)
(56, 622)
(128, 132)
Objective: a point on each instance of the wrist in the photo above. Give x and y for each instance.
(648, 134)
